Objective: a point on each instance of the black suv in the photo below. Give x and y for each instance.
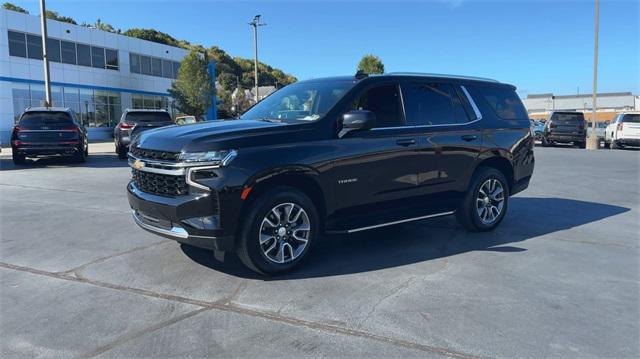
(334, 155)
(134, 121)
(45, 131)
(565, 127)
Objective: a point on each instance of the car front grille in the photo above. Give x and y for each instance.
(155, 154)
(160, 184)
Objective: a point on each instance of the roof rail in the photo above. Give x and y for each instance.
(443, 76)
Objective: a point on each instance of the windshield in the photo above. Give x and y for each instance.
(567, 117)
(307, 101)
(138, 117)
(45, 118)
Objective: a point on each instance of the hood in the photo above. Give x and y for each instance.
(205, 136)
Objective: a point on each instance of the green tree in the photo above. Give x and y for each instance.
(53, 15)
(12, 7)
(105, 27)
(370, 64)
(152, 35)
(192, 89)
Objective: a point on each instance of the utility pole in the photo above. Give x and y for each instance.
(255, 23)
(45, 57)
(592, 141)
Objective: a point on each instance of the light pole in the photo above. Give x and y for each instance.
(45, 57)
(592, 141)
(255, 23)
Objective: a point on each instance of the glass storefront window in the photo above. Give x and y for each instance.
(37, 95)
(53, 47)
(137, 101)
(149, 102)
(56, 96)
(34, 47)
(97, 56)
(17, 44)
(21, 99)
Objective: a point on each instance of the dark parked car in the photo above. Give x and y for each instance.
(45, 131)
(565, 127)
(134, 121)
(335, 155)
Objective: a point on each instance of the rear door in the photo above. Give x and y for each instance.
(450, 138)
(47, 128)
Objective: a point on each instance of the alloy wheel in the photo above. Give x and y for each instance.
(284, 233)
(490, 201)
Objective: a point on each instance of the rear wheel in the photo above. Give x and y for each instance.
(18, 159)
(81, 156)
(582, 144)
(545, 142)
(122, 152)
(485, 203)
(615, 145)
(278, 231)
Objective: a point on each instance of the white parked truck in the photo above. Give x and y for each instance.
(624, 130)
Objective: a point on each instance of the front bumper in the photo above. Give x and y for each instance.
(190, 219)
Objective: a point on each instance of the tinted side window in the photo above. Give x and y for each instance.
(504, 101)
(432, 104)
(384, 101)
(631, 117)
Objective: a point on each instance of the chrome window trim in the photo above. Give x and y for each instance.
(472, 103)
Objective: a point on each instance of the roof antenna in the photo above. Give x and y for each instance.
(361, 75)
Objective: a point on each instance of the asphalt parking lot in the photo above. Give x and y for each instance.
(559, 278)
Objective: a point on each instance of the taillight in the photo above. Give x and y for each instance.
(620, 126)
(74, 129)
(125, 126)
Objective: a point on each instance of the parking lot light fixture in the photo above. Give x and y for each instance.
(255, 23)
(45, 53)
(592, 140)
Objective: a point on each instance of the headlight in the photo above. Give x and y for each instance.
(223, 156)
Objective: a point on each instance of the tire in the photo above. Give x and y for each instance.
(18, 159)
(607, 144)
(545, 142)
(582, 144)
(260, 220)
(122, 152)
(80, 157)
(614, 145)
(469, 212)
(86, 151)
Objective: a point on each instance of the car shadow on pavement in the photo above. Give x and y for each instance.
(95, 160)
(426, 240)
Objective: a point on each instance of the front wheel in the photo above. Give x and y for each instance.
(545, 142)
(122, 152)
(485, 203)
(278, 231)
(615, 145)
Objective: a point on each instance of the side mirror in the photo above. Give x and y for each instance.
(358, 120)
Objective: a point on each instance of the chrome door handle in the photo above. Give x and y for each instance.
(407, 142)
(469, 138)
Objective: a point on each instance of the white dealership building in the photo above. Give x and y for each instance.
(96, 73)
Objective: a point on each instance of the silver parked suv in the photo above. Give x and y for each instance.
(134, 121)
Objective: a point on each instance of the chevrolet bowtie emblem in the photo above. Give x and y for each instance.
(137, 164)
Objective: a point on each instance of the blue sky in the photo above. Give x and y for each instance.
(539, 46)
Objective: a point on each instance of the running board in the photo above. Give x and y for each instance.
(354, 230)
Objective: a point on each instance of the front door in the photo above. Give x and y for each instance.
(376, 171)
